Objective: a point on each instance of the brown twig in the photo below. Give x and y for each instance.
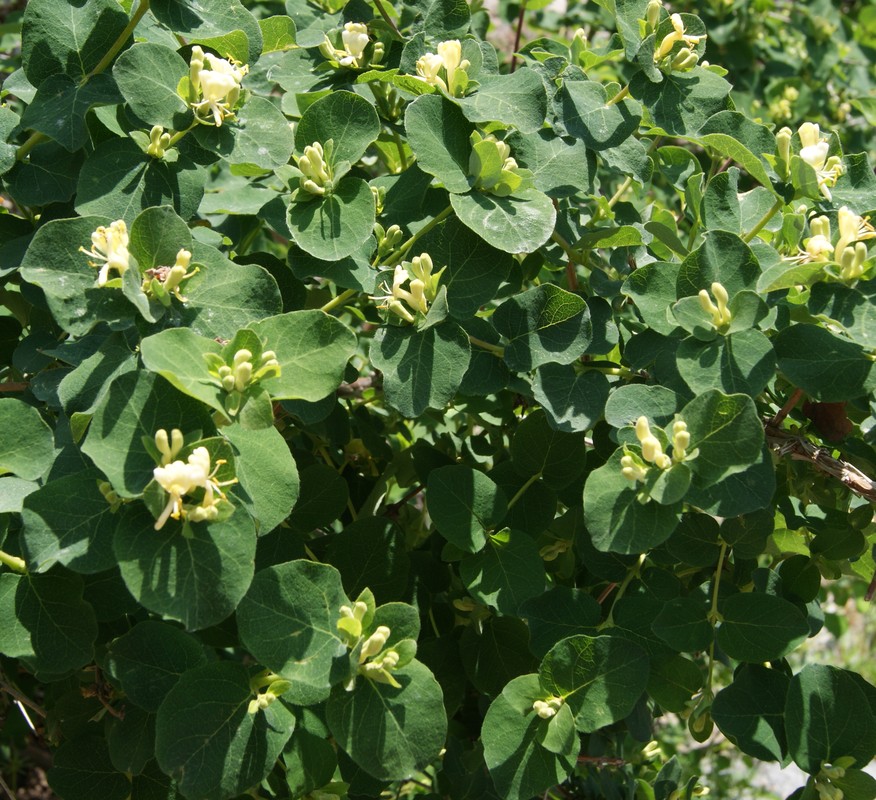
(799, 449)
(602, 761)
(606, 592)
(787, 408)
(12, 387)
(518, 35)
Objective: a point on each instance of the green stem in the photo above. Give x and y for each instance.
(400, 146)
(119, 43)
(33, 140)
(339, 300)
(764, 220)
(714, 616)
(495, 349)
(625, 92)
(179, 135)
(566, 247)
(400, 252)
(621, 372)
(620, 191)
(631, 575)
(522, 490)
(14, 563)
(387, 19)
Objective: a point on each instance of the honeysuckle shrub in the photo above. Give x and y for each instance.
(383, 412)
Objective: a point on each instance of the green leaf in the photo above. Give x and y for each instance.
(76, 534)
(47, 623)
(539, 449)
(173, 571)
(147, 75)
(131, 740)
(727, 432)
(349, 120)
(49, 176)
(210, 19)
(447, 19)
(81, 768)
(629, 402)
(438, 133)
(334, 226)
(673, 681)
(557, 614)
(421, 369)
(723, 258)
(544, 325)
(28, 446)
(742, 362)
(61, 105)
(67, 38)
(322, 498)
(465, 505)
(288, 622)
(586, 115)
(732, 135)
(516, 99)
(682, 624)
(520, 223)
(853, 307)
(267, 474)
(601, 678)
(138, 404)
(616, 520)
(278, 33)
(8, 122)
(206, 739)
(561, 167)
(760, 627)
(406, 726)
(54, 263)
(825, 366)
(313, 349)
(751, 711)
(505, 574)
(156, 236)
(572, 402)
(519, 766)
(856, 186)
(149, 659)
(474, 269)
(118, 180)
(827, 717)
(683, 101)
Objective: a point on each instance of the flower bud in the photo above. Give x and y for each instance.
(652, 14)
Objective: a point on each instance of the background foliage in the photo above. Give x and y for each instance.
(432, 400)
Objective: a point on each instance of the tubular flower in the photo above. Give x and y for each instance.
(547, 708)
(449, 60)
(180, 478)
(316, 171)
(652, 450)
(109, 248)
(169, 279)
(852, 228)
(814, 150)
(817, 247)
(677, 34)
(354, 40)
(720, 313)
(422, 288)
(217, 87)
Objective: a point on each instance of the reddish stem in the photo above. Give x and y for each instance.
(518, 34)
(606, 592)
(787, 408)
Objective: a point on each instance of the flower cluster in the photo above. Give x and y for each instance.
(637, 469)
(158, 142)
(422, 289)
(316, 170)
(850, 250)
(355, 39)
(164, 282)
(547, 708)
(109, 248)
(244, 372)
(214, 92)
(717, 310)
(375, 660)
(180, 478)
(493, 168)
(814, 149)
(445, 69)
(685, 59)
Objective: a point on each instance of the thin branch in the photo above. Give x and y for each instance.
(22, 698)
(799, 449)
(518, 35)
